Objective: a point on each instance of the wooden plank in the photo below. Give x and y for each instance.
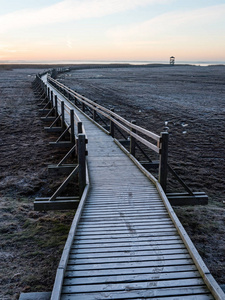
(125, 201)
(128, 253)
(179, 284)
(123, 265)
(186, 293)
(55, 205)
(128, 229)
(114, 207)
(62, 169)
(123, 226)
(130, 271)
(81, 245)
(126, 190)
(114, 279)
(133, 239)
(118, 223)
(124, 213)
(127, 210)
(110, 192)
(47, 119)
(59, 198)
(132, 216)
(151, 233)
(183, 199)
(124, 247)
(141, 221)
(53, 129)
(131, 259)
(91, 205)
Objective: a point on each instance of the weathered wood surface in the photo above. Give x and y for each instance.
(125, 245)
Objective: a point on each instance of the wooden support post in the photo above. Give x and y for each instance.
(132, 140)
(52, 98)
(94, 114)
(46, 90)
(163, 170)
(63, 115)
(56, 105)
(83, 107)
(81, 162)
(79, 127)
(72, 134)
(112, 126)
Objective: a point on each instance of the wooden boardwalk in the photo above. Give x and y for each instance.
(125, 241)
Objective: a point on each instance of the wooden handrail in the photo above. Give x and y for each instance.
(114, 117)
(131, 128)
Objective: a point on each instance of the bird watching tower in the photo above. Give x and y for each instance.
(172, 60)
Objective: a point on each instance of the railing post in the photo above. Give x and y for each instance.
(79, 127)
(83, 107)
(63, 115)
(81, 162)
(52, 99)
(72, 135)
(94, 114)
(164, 139)
(112, 126)
(46, 90)
(132, 140)
(56, 105)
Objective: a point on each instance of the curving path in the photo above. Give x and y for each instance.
(126, 242)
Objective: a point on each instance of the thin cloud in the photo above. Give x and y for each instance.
(68, 10)
(170, 24)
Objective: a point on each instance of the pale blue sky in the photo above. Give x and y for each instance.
(112, 30)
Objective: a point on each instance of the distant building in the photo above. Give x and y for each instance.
(172, 60)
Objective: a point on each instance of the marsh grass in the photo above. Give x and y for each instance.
(206, 227)
(31, 246)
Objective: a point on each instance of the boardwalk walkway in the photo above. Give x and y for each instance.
(126, 242)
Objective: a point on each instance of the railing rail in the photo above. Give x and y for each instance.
(106, 112)
(158, 144)
(60, 111)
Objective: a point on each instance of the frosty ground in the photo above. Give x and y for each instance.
(31, 242)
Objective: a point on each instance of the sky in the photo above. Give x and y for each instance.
(113, 30)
